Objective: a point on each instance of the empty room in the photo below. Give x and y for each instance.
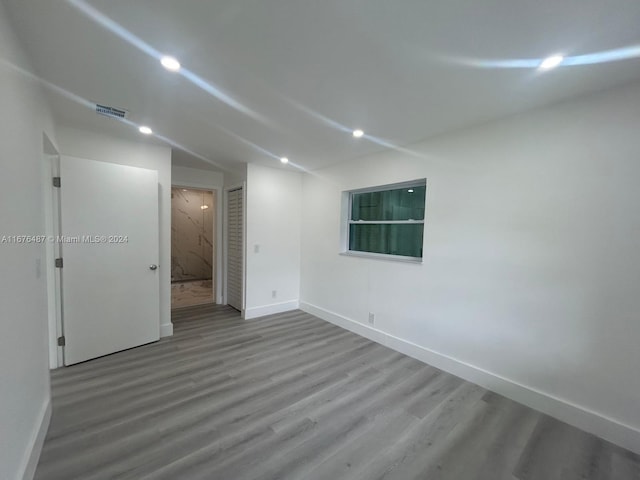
(253, 240)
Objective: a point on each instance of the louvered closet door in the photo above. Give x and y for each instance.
(235, 248)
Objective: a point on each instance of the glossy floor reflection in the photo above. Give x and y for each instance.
(193, 292)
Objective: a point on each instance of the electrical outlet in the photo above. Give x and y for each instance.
(274, 293)
(372, 318)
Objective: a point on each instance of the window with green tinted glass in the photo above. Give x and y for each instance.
(388, 220)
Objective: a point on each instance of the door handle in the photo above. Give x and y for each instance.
(153, 267)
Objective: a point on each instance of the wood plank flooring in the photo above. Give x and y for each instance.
(293, 397)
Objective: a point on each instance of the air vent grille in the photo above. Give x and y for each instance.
(110, 111)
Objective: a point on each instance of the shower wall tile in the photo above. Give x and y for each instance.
(191, 234)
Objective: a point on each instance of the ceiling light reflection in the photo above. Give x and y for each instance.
(170, 63)
(551, 62)
(115, 28)
(618, 54)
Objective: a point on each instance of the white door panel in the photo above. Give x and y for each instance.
(110, 294)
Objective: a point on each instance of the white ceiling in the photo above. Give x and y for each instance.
(395, 69)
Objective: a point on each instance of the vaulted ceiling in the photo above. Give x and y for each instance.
(262, 79)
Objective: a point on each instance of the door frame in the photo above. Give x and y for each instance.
(218, 271)
(236, 186)
(51, 213)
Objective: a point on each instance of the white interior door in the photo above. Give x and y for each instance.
(109, 224)
(235, 226)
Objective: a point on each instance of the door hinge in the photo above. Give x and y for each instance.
(56, 182)
(62, 341)
(59, 263)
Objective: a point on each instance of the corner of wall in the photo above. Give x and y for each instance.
(580, 417)
(166, 330)
(261, 311)
(32, 454)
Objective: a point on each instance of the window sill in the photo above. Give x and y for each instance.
(382, 256)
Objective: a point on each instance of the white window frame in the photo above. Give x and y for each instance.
(347, 198)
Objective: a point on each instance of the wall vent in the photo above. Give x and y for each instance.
(110, 111)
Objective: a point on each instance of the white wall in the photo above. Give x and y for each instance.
(194, 177)
(236, 177)
(273, 227)
(531, 277)
(95, 146)
(24, 367)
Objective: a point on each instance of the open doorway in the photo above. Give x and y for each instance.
(193, 246)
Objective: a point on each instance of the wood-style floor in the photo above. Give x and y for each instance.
(293, 397)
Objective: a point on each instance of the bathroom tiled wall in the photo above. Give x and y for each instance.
(192, 234)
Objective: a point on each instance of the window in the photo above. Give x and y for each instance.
(387, 220)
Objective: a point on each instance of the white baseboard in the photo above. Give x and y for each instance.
(593, 422)
(255, 312)
(166, 330)
(32, 454)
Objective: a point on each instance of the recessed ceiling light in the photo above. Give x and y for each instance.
(204, 207)
(358, 133)
(551, 62)
(410, 190)
(170, 64)
(284, 160)
(145, 130)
